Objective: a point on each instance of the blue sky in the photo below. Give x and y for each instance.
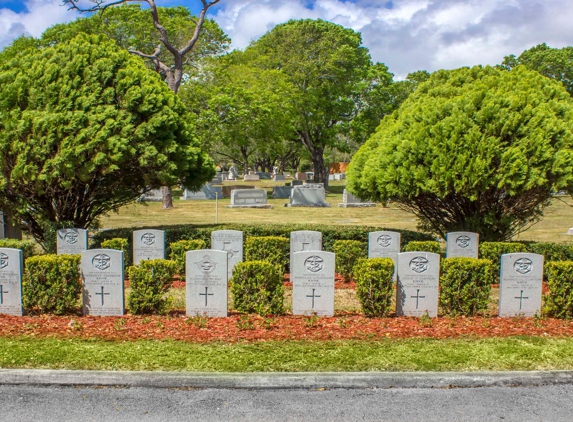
(406, 35)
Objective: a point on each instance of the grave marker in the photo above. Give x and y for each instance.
(71, 241)
(249, 198)
(11, 269)
(385, 244)
(206, 282)
(308, 196)
(305, 240)
(521, 278)
(351, 201)
(462, 245)
(312, 276)
(230, 241)
(417, 286)
(148, 244)
(102, 279)
(282, 192)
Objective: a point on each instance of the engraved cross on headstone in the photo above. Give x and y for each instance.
(521, 297)
(206, 294)
(102, 294)
(305, 246)
(2, 291)
(313, 296)
(230, 252)
(418, 297)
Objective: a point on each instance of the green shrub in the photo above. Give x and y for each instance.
(272, 249)
(119, 244)
(28, 248)
(423, 246)
(465, 285)
(178, 249)
(149, 281)
(52, 284)
(551, 251)
(559, 299)
(348, 252)
(494, 250)
(374, 285)
(257, 287)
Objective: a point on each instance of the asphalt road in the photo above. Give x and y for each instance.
(85, 404)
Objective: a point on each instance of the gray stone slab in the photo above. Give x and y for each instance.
(308, 196)
(206, 282)
(249, 198)
(385, 244)
(296, 182)
(71, 241)
(148, 244)
(207, 191)
(351, 201)
(520, 278)
(230, 188)
(153, 195)
(279, 178)
(417, 286)
(251, 178)
(305, 240)
(230, 241)
(282, 192)
(462, 245)
(102, 279)
(312, 276)
(11, 269)
(264, 175)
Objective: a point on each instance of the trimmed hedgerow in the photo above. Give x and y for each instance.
(120, 244)
(423, 246)
(149, 281)
(465, 285)
(178, 249)
(257, 287)
(551, 251)
(348, 252)
(28, 248)
(374, 285)
(272, 249)
(559, 299)
(52, 284)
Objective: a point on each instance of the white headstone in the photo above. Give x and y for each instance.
(11, 269)
(207, 191)
(230, 241)
(206, 282)
(385, 244)
(71, 241)
(520, 284)
(308, 196)
(417, 286)
(102, 278)
(351, 201)
(148, 244)
(249, 198)
(312, 276)
(462, 245)
(251, 177)
(305, 240)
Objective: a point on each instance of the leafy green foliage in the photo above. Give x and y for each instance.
(28, 248)
(149, 281)
(51, 284)
(551, 251)
(492, 251)
(559, 300)
(84, 129)
(428, 246)
(348, 252)
(374, 285)
(119, 244)
(477, 149)
(465, 285)
(272, 249)
(178, 250)
(257, 287)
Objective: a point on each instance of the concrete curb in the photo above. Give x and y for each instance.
(285, 380)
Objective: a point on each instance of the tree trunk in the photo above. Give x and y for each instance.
(320, 170)
(167, 197)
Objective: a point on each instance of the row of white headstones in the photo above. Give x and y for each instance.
(312, 273)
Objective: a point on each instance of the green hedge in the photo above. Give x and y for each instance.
(272, 249)
(348, 252)
(257, 287)
(120, 244)
(374, 285)
(423, 246)
(28, 248)
(149, 281)
(52, 284)
(465, 285)
(177, 252)
(559, 299)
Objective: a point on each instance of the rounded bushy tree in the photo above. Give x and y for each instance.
(84, 129)
(477, 149)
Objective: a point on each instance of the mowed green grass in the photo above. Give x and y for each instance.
(553, 227)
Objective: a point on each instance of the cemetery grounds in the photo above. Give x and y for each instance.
(349, 341)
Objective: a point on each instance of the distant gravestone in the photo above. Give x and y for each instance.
(153, 195)
(308, 196)
(102, 279)
(385, 244)
(230, 241)
(351, 201)
(279, 178)
(11, 269)
(295, 182)
(71, 241)
(300, 176)
(249, 198)
(206, 282)
(312, 276)
(148, 244)
(230, 188)
(282, 192)
(305, 240)
(207, 191)
(521, 277)
(462, 245)
(218, 179)
(251, 177)
(417, 286)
